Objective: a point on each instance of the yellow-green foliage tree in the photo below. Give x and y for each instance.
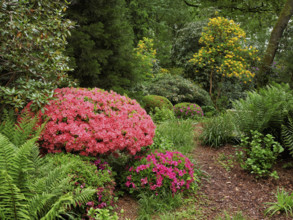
(146, 57)
(224, 54)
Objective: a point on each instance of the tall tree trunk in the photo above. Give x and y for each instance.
(275, 38)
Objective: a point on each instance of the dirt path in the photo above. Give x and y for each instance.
(230, 188)
(227, 188)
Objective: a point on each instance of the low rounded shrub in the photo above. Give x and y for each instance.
(209, 111)
(153, 101)
(88, 172)
(178, 89)
(160, 172)
(91, 122)
(187, 110)
(261, 154)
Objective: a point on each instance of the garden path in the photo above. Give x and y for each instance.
(226, 187)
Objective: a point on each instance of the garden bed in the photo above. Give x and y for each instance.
(225, 188)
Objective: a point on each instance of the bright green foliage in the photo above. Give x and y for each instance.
(84, 173)
(19, 133)
(188, 110)
(284, 204)
(261, 154)
(28, 189)
(218, 131)
(223, 54)
(175, 135)
(32, 63)
(152, 204)
(145, 55)
(161, 115)
(178, 89)
(101, 46)
(101, 214)
(265, 110)
(153, 101)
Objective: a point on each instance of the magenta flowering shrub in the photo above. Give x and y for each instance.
(159, 171)
(91, 122)
(105, 193)
(187, 110)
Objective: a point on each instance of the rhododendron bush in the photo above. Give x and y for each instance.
(91, 122)
(159, 171)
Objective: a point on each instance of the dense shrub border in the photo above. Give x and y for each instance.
(91, 122)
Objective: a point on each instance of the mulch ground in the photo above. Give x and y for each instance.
(228, 187)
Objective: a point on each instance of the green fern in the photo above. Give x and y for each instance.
(287, 134)
(11, 198)
(265, 110)
(30, 189)
(25, 128)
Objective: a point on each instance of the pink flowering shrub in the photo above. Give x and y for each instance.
(91, 122)
(168, 171)
(187, 110)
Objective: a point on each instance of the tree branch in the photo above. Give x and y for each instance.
(255, 9)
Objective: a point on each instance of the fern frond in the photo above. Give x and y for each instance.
(37, 163)
(7, 151)
(25, 129)
(11, 198)
(21, 166)
(37, 204)
(68, 200)
(265, 110)
(58, 207)
(7, 126)
(287, 134)
(83, 196)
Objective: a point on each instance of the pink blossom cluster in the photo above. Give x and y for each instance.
(170, 170)
(91, 122)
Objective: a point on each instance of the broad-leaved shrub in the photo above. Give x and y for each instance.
(91, 122)
(161, 115)
(153, 101)
(178, 89)
(261, 154)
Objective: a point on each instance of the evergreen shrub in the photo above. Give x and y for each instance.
(153, 101)
(178, 89)
(91, 122)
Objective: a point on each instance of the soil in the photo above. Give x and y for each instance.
(227, 187)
